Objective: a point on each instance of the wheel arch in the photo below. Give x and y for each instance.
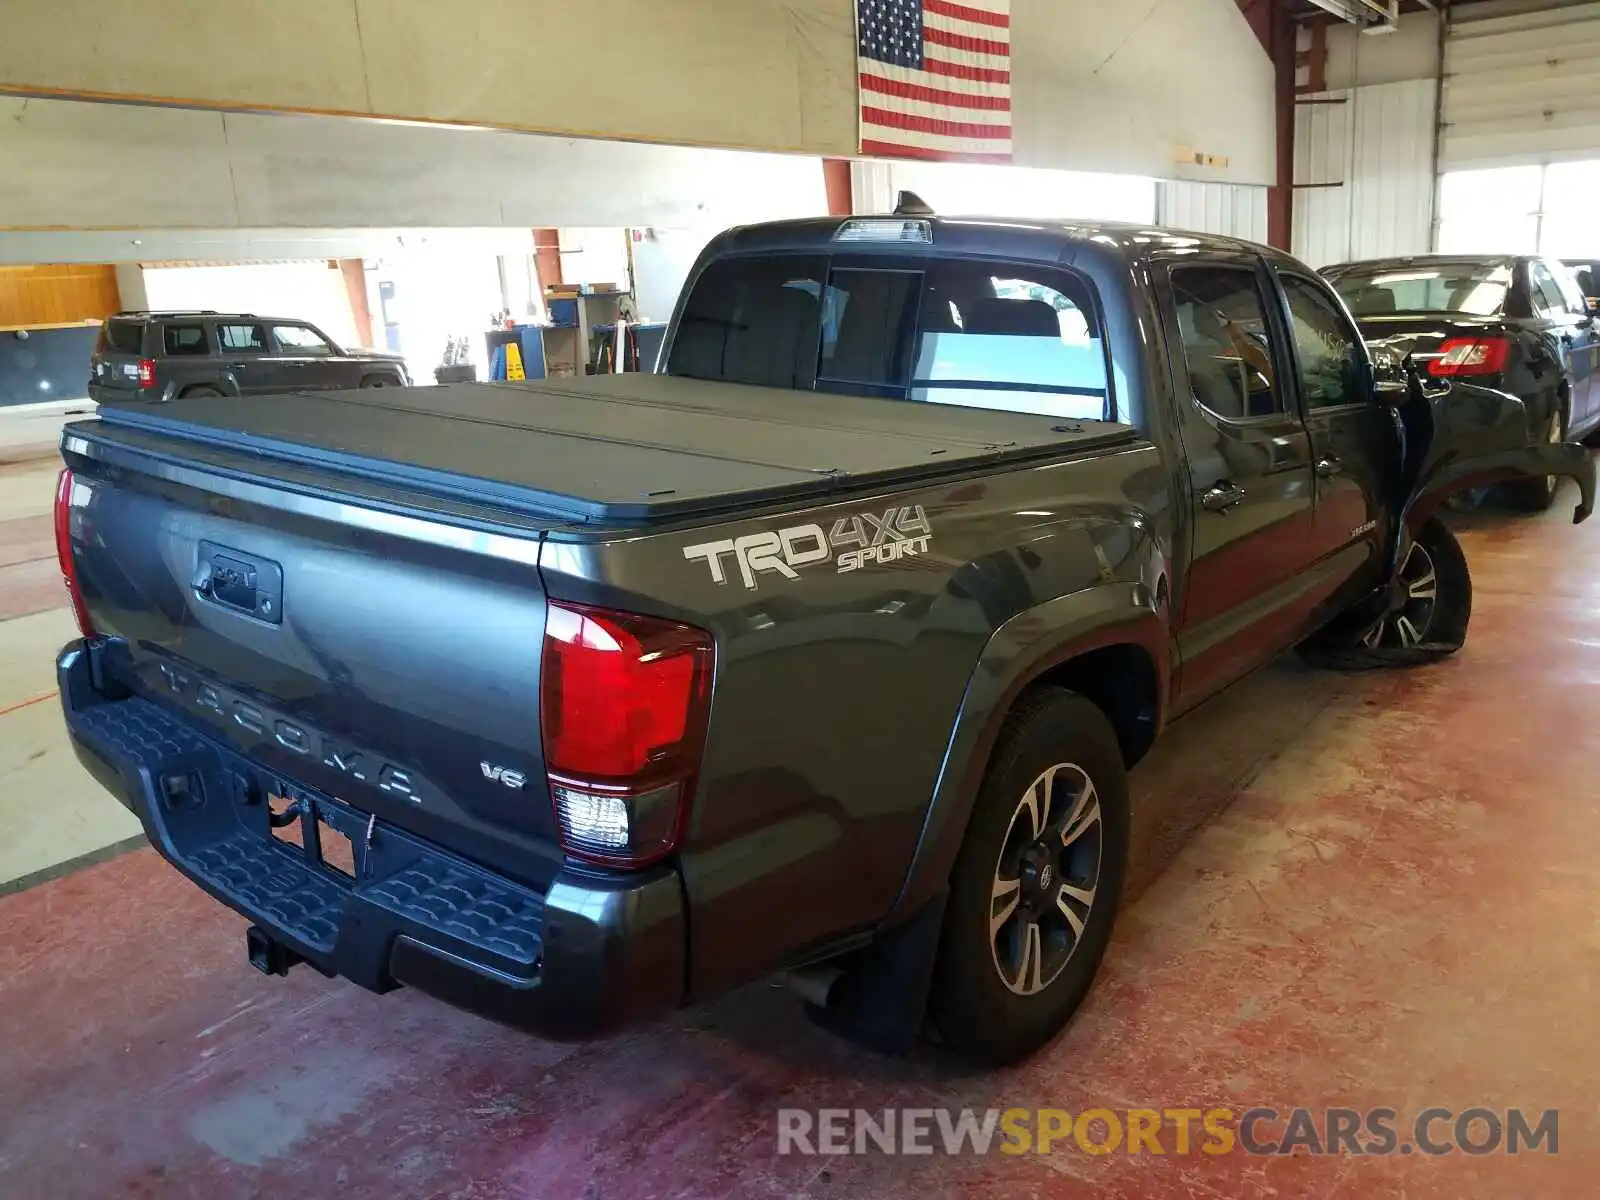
(1110, 643)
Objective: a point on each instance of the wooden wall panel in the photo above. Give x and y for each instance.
(56, 294)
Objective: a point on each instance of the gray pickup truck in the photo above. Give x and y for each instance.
(822, 652)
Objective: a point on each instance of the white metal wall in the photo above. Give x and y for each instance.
(1364, 173)
(1522, 83)
(1235, 210)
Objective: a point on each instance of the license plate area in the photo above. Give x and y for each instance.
(329, 834)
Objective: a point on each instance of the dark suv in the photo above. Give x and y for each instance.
(159, 356)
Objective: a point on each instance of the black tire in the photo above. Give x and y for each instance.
(200, 390)
(1539, 493)
(378, 381)
(976, 1013)
(1413, 634)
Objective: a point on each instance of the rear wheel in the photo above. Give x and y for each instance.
(200, 390)
(1539, 493)
(1036, 884)
(378, 381)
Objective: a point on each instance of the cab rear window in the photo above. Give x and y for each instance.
(962, 333)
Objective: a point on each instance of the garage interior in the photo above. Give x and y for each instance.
(1361, 889)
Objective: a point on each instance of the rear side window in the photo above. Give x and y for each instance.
(184, 339)
(754, 321)
(991, 337)
(1547, 297)
(242, 339)
(125, 337)
(1222, 321)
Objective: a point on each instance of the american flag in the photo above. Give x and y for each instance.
(935, 79)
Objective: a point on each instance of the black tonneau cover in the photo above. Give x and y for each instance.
(615, 448)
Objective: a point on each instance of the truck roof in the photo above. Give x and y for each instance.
(1045, 240)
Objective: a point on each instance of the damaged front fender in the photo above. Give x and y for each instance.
(1460, 436)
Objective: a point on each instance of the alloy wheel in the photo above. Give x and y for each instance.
(1410, 624)
(1045, 879)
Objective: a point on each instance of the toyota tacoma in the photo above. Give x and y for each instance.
(822, 652)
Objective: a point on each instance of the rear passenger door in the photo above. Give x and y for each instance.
(1571, 334)
(1250, 472)
(243, 347)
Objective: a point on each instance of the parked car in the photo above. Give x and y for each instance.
(1586, 273)
(1514, 322)
(825, 652)
(160, 356)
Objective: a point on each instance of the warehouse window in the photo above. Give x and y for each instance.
(752, 320)
(184, 339)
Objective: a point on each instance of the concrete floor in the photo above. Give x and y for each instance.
(1362, 890)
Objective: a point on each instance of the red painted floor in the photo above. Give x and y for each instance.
(1367, 890)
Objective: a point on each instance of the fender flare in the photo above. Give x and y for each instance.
(1017, 654)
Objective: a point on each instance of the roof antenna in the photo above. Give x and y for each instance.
(911, 205)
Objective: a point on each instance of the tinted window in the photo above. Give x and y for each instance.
(867, 320)
(184, 339)
(297, 339)
(1466, 286)
(125, 337)
(1327, 351)
(246, 339)
(1547, 297)
(1023, 341)
(1584, 274)
(1570, 291)
(752, 320)
(1223, 323)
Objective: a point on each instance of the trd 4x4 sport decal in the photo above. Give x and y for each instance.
(853, 543)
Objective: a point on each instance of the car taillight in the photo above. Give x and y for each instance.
(147, 372)
(69, 568)
(1472, 356)
(623, 705)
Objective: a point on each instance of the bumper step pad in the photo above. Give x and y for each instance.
(424, 891)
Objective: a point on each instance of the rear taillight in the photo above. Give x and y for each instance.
(147, 372)
(1472, 356)
(623, 700)
(69, 568)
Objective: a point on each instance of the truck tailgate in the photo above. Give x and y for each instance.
(380, 660)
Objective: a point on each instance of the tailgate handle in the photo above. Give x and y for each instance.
(245, 583)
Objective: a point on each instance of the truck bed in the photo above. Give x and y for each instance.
(630, 448)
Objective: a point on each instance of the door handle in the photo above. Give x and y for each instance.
(1221, 496)
(1328, 467)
